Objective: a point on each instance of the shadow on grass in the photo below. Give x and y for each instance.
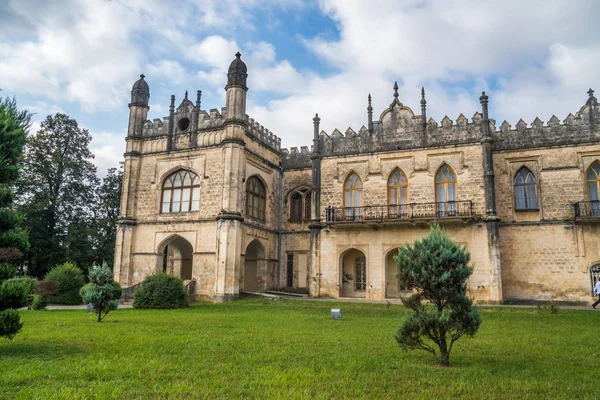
(32, 351)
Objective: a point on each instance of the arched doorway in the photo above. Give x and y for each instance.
(353, 276)
(254, 262)
(394, 287)
(176, 257)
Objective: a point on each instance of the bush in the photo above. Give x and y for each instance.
(101, 294)
(10, 323)
(7, 271)
(160, 291)
(14, 292)
(38, 303)
(71, 280)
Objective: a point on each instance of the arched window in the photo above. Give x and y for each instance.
(360, 268)
(353, 196)
(525, 196)
(397, 194)
(256, 196)
(300, 205)
(593, 182)
(181, 193)
(445, 191)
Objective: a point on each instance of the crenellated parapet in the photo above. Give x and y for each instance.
(293, 158)
(262, 134)
(582, 127)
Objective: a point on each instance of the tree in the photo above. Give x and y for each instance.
(56, 189)
(438, 268)
(102, 293)
(106, 212)
(14, 125)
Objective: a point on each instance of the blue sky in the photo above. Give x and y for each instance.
(82, 56)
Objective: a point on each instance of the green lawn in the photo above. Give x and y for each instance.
(292, 349)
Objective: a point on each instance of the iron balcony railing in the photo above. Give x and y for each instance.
(409, 212)
(587, 209)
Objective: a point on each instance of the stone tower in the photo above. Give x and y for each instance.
(229, 233)
(138, 113)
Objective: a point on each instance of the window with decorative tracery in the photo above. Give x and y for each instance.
(360, 269)
(300, 205)
(181, 193)
(256, 198)
(525, 195)
(445, 191)
(397, 194)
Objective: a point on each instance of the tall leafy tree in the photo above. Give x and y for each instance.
(14, 125)
(438, 268)
(56, 189)
(108, 201)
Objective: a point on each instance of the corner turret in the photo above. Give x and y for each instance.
(138, 108)
(236, 91)
(140, 93)
(237, 73)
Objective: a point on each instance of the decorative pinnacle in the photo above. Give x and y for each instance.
(590, 92)
(483, 98)
(186, 94)
(423, 101)
(143, 76)
(238, 54)
(316, 119)
(369, 108)
(396, 90)
(198, 97)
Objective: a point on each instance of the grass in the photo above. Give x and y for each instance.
(292, 349)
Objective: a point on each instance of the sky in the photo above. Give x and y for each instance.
(81, 57)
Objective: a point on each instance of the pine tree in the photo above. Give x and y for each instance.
(14, 125)
(438, 268)
(102, 293)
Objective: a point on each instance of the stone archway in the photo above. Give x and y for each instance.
(353, 274)
(176, 257)
(392, 288)
(254, 266)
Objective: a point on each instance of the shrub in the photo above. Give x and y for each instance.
(13, 295)
(38, 303)
(71, 280)
(10, 323)
(14, 292)
(101, 294)
(160, 291)
(7, 271)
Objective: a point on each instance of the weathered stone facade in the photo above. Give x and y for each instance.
(327, 220)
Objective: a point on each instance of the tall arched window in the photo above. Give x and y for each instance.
(360, 268)
(300, 205)
(593, 185)
(525, 196)
(256, 197)
(181, 193)
(397, 194)
(445, 191)
(353, 196)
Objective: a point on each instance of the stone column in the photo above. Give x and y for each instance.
(491, 218)
(315, 223)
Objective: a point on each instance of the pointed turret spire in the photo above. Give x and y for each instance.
(423, 107)
(370, 114)
(186, 94)
(396, 91)
(198, 97)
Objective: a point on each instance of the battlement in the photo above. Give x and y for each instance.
(262, 134)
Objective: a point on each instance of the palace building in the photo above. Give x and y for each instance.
(211, 197)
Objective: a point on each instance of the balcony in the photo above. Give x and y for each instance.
(587, 210)
(452, 210)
